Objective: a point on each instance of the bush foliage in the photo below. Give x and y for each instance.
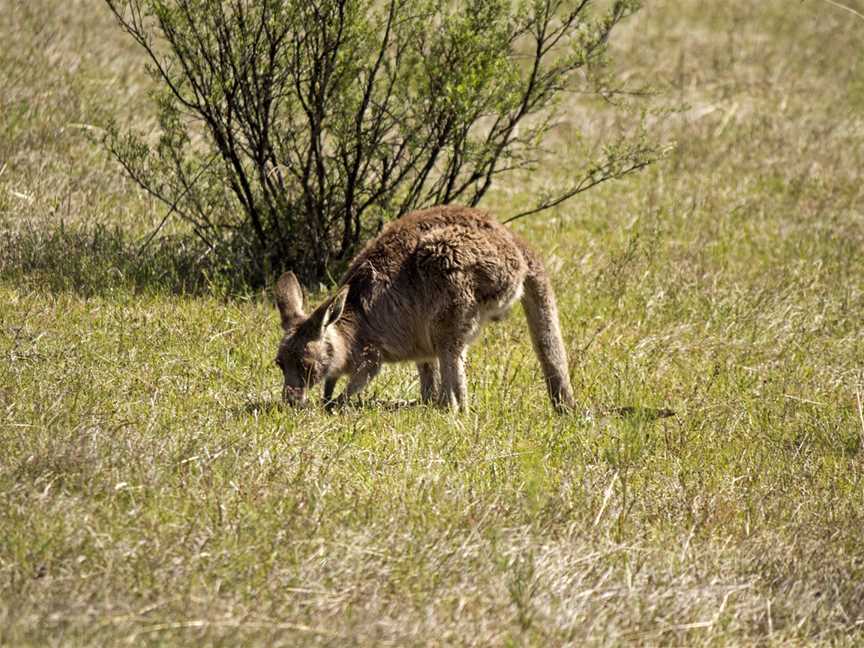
(291, 130)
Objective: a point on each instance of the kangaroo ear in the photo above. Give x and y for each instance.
(330, 311)
(289, 299)
(336, 307)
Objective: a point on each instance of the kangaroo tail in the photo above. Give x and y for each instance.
(542, 313)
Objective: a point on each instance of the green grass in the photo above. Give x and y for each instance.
(152, 490)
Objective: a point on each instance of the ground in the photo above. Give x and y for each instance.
(152, 490)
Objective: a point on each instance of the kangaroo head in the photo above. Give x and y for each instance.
(310, 347)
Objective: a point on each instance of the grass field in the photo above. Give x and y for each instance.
(152, 490)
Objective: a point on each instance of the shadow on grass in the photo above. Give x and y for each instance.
(256, 407)
(93, 260)
(640, 414)
(628, 413)
(268, 406)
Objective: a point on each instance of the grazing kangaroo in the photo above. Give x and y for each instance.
(420, 291)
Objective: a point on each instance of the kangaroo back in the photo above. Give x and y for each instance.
(542, 314)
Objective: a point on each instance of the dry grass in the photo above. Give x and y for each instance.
(152, 492)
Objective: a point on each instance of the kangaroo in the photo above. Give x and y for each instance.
(420, 291)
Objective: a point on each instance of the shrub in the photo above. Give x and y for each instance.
(292, 129)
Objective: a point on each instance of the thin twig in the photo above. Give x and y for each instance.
(854, 12)
(860, 416)
(586, 183)
(170, 211)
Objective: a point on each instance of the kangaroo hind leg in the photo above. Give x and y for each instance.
(454, 389)
(430, 381)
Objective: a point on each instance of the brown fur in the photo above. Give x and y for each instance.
(421, 291)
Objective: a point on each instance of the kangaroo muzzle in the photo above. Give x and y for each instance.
(294, 396)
